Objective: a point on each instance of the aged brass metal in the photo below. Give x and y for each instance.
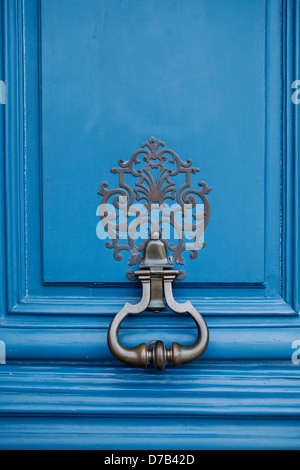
(154, 281)
(156, 260)
(156, 268)
(153, 156)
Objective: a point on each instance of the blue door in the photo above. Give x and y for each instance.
(86, 83)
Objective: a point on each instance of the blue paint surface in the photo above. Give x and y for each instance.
(212, 79)
(190, 73)
(76, 407)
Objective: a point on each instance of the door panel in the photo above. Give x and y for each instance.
(190, 73)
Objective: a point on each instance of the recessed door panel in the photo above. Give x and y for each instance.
(190, 73)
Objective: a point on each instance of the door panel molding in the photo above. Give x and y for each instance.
(87, 344)
(13, 163)
(290, 170)
(224, 406)
(273, 18)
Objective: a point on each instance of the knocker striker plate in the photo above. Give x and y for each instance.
(156, 268)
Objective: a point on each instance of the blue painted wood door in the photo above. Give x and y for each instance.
(87, 82)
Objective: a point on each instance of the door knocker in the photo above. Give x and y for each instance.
(151, 244)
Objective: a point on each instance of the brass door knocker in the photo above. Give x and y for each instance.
(156, 268)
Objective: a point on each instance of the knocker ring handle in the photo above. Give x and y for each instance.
(157, 352)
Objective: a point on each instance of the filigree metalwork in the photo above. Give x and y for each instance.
(154, 170)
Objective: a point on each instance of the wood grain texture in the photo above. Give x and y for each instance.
(232, 406)
(243, 393)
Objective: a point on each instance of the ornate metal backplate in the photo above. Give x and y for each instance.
(153, 171)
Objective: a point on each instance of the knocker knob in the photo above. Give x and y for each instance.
(158, 354)
(156, 254)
